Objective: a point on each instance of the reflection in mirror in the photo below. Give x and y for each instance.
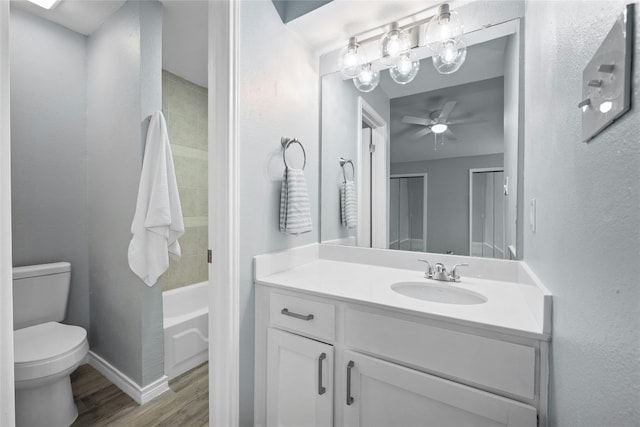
(413, 182)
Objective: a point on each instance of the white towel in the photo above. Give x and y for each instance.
(349, 204)
(295, 211)
(157, 224)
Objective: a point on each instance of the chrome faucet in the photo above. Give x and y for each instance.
(440, 271)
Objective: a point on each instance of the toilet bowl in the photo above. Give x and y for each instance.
(46, 351)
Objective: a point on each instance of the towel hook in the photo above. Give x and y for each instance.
(286, 142)
(343, 162)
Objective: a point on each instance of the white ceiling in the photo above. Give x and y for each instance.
(81, 16)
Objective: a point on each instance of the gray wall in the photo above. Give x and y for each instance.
(339, 133)
(124, 311)
(48, 133)
(279, 95)
(587, 244)
(448, 198)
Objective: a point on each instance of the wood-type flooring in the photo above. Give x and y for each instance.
(100, 403)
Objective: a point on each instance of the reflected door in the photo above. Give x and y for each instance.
(487, 213)
(407, 213)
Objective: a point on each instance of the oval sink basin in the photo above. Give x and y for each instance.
(445, 294)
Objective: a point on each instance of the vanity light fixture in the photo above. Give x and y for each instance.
(46, 4)
(367, 80)
(351, 59)
(394, 43)
(406, 69)
(446, 25)
(450, 56)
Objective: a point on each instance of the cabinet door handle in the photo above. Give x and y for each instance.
(286, 312)
(321, 390)
(349, 397)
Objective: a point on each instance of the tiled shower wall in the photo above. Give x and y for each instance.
(184, 105)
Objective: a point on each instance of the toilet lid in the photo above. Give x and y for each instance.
(46, 341)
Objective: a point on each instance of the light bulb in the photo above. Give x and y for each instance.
(439, 128)
(392, 44)
(367, 80)
(449, 56)
(406, 69)
(444, 26)
(605, 107)
(351, 59)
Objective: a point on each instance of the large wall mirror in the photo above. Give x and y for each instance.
(452, 190)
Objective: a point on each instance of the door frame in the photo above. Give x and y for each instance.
(379, 137)
(425, 181)
(471, 172)
(7, 399)
(224, 239)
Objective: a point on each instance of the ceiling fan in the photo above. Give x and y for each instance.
(437, 122)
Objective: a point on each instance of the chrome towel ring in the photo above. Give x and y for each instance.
(286, 143)
(343, 162)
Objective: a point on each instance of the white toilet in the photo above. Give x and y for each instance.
(46, 351)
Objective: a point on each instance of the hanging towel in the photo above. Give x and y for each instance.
(295, 211)
(157, 223)
(349, 204)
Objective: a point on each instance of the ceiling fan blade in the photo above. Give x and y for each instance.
(416, 120)
(465, 121)
(449, 135)
(422, 133)
(446, 110)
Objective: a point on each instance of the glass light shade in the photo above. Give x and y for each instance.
(406, 69)
(446, 25)
(367, 80)
(449, 56)
(351, 59)
(394, 43)
(439, 128)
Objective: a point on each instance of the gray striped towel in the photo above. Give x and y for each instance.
(349, 204)
(295, 210)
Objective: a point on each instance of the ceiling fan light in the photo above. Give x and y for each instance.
(351, 59)
(406, 69)
(439, 128)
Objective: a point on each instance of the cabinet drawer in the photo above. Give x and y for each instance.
(483, 361)
(303, 315)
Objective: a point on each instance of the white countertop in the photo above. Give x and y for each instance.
(508, 309)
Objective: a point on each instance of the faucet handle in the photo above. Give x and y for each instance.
(454, 276)
(429, 273)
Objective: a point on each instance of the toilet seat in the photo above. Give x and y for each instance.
(48, 349)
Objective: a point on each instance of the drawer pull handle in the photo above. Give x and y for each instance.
(286, 312)
(321, 390)
(350, 365)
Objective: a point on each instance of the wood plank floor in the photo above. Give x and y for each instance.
(100, 403)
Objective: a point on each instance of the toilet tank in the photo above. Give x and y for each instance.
(40, 293)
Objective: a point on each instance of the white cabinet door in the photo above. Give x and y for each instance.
(299, 381)
(379, 393)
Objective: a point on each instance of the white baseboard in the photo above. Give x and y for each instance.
(141, 395)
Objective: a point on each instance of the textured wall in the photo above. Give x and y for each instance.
(448, 198)
(587, 244)
(123, 68)
(48, 152)
(279, 95)
(184, 105)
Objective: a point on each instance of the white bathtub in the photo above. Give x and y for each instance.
(186, 328)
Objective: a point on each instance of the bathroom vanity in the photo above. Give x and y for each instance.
(337, 345)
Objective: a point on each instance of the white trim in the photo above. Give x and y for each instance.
(7, 409)
(471, 172)
(224, 276)
(141, 395)
(367, 114)
(424, 202)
